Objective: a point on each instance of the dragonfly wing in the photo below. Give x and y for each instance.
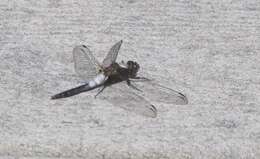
(121, 95)
(86, 66)
(159, 93)
(112, 54)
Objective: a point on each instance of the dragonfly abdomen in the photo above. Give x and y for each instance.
(72, 92)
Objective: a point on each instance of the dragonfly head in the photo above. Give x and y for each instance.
(133, 68)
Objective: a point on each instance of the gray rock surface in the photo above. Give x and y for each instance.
(208, 50)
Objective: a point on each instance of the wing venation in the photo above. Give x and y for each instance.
(112, 54)
(159, 93)
(122, 96)
(86, 66)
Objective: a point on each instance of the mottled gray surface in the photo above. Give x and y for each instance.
(209, 50)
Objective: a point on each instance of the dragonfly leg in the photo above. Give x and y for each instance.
(100, 91)
(140, 79)
(132, 86)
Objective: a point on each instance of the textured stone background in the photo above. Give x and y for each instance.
(208, 50)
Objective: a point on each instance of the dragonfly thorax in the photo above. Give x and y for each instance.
(112, 69)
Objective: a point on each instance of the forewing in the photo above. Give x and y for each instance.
(85, 63)
(121, 95)
(159, 93)
(112, 54)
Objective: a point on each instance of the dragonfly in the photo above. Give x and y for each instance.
(119, 83)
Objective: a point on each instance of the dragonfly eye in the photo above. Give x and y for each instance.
(133, 68)
(137, 66)
(129, 63)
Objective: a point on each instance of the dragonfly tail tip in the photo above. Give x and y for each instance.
(53, 97)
